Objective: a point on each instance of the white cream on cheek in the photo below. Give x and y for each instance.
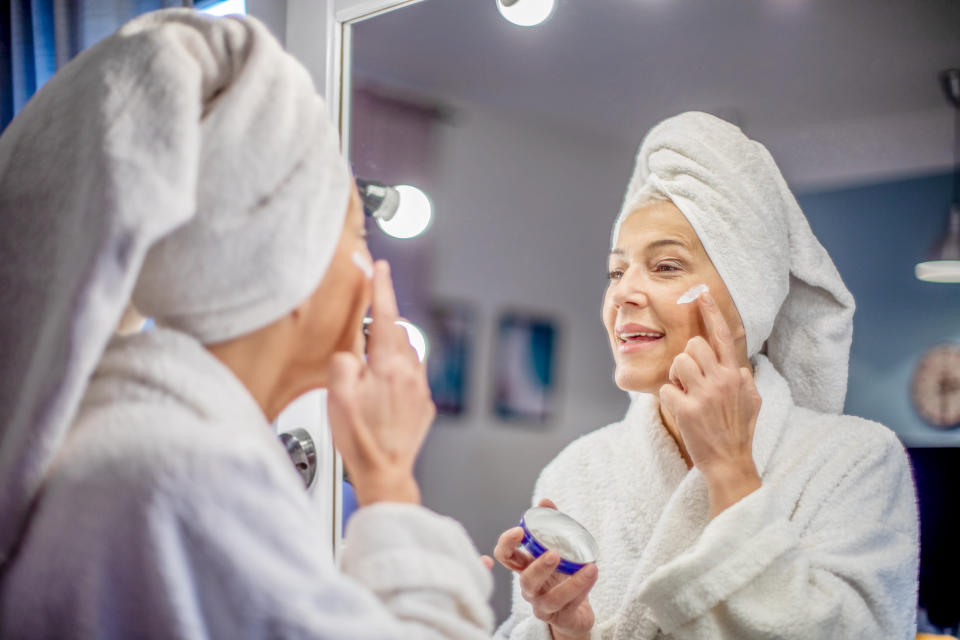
(363, 263)
(693, 293)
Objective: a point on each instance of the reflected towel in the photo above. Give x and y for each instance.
(789, 294)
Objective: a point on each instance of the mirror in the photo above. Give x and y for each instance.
(523, 140)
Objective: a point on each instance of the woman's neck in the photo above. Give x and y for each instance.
(257, 359)
(671, 426)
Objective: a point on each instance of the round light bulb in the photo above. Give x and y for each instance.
(412, 216)
(527, 13)
(417, 340)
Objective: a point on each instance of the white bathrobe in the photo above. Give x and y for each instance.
(172, 511)
(827, 548)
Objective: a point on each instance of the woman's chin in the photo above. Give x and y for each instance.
(637, 381)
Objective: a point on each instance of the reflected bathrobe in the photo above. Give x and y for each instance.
(172, 511)
(827, 548)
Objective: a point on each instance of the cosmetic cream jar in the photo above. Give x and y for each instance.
(545, 529)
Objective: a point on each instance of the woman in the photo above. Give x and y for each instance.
(189, 163)
(733, 500)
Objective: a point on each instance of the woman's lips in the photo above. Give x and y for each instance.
(635, 337)
(641, 344)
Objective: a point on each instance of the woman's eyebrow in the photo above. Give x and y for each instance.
(656, 244)
(668, 242)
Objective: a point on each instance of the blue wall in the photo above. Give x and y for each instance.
(876, 234)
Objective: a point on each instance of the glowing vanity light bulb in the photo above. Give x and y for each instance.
(526, 13)
(413, 215)
(417, 340)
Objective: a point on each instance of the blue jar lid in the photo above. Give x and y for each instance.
(548, 524)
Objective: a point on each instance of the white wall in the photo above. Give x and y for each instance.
(523, 217)
(306, 36)
(272, 13)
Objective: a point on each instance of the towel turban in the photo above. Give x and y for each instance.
(786, 288)
(185, 161)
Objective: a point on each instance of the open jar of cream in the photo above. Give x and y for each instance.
(545, 529)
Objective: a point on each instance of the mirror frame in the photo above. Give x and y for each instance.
(329, 61)
(346, 13)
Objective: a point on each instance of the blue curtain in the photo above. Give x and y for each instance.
(37, 37)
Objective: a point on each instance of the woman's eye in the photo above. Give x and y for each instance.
(614, 274)
(667, 267)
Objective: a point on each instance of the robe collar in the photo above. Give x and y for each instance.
(175, 365)
(644, 415)
(687, 511)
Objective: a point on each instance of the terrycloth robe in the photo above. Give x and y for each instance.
(827, 548)
(172, 511)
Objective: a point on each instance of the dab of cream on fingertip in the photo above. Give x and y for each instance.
(363, 263)
(692, 294)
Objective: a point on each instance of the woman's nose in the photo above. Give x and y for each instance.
(630, 291)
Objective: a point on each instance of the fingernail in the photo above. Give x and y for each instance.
(552, 558)
(707, 298)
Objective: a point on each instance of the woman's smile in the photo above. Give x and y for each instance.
(632, 338)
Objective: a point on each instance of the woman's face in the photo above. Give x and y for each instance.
(657, 258)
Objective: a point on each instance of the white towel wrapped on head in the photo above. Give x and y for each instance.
(221, 176)
(785, 286)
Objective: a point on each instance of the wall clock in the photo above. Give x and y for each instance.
(935, 388)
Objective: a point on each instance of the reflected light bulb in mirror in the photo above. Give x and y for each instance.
(413, 214)
(526, 13)
(417, 340)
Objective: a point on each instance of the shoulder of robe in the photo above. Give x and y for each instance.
(134, 491)
(837, 458)
(138, 453)
(846, 435)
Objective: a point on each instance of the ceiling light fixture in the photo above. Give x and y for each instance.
(526, 13)
(942, 261)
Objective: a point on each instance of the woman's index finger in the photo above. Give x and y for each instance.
(718, 331)
(384, 302)
(383, 311)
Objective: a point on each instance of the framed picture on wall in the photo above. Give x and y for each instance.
(451, 332)
(525, 367)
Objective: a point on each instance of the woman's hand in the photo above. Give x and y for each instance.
(715, 405)
(380, 410)
(557, 599)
